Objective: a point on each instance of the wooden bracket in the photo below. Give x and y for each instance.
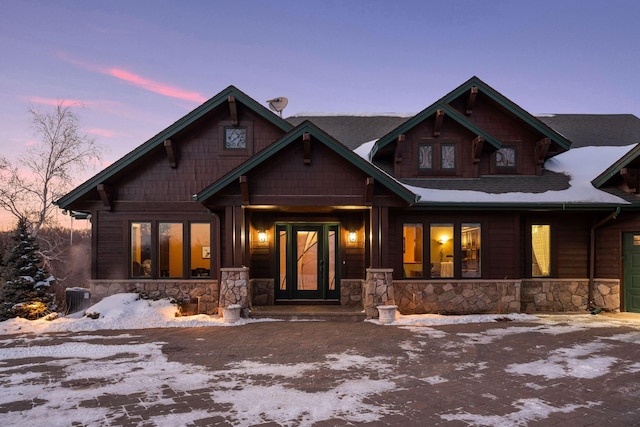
(233, 110)
(476, 148)
(399, 144)
(542, 147)
(368, 194)
(471, 99)
(244, 189)
(105, 195)
(630, 178)
(171, 155)
(438, 122)
(306, 147)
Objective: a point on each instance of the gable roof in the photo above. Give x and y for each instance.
(612, 170)
(353, 130)
(156, 141)
(500, 99)
(308, 127)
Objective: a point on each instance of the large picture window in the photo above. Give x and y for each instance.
(442, 255)
(412, 250)
(540, 250)
(160, 249)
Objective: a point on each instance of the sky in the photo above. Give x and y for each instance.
(130, 69)
(123, 365)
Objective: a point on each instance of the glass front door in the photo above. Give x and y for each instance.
(307, 261)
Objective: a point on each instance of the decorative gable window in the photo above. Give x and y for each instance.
(506, 157)
(237, 140)
(437, 158)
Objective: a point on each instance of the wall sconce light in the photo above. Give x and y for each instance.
(443, 239)
(262, 236)
(352, 236)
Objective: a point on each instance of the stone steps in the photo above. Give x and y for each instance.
(329, 313)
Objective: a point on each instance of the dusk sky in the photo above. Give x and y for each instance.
(135, 67)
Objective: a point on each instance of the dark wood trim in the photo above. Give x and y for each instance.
(385, 260)
(228, 236)
(471, 99)
(542, 147)
(399, 147)
(368, 198)
(630, 178)
(171, 156)
(306, 146)
(233, 110)
(438, 122)
(105, 195)
(375, 237)
(238, 232)
(244, 189)
(476, 153)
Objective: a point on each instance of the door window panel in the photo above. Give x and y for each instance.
(540, 250)
(307, 260)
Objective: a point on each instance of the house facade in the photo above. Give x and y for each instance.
(471, 206)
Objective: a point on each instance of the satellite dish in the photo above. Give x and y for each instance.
(278, 104)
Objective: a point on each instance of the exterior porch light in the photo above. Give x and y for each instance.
(262, 236)
(352, 236)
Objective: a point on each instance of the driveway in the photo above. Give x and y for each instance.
(558, 370)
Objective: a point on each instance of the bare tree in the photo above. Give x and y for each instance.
(45, 172)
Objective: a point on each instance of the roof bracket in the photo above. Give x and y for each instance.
(244, 189)
(171, 155)
(233, 110)
(399, 142)
(306, 147)
(368, 195)
(476, 152)
(105, 195)
(438, 123)
(471, 100)
(630, 177)
(542, 147)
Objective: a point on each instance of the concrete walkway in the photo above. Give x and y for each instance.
(559, 371)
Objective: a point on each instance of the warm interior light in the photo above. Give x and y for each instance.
(262, 236)
(352, 236)
(443, 240)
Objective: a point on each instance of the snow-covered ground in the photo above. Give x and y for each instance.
(91, 367)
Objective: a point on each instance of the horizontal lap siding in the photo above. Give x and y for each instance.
(501, 248)
(609, 245)
(572, 244)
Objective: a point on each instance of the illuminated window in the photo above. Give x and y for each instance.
(200, 252)
(140, 249)
(170, 249)
(540, 250)
(412, 250)
(441, 252)
(470, 249)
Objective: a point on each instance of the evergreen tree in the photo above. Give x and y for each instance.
(25, 284)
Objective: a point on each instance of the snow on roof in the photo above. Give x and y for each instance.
(582, 165)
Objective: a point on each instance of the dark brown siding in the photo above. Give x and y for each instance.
(609, 245)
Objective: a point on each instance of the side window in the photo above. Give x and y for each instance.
(412, 250)
(425, 156)
(140, 249)
(200, 249)
(448, 156)
(470, 249)
(540, 250)
(506, 157)
(437, 157)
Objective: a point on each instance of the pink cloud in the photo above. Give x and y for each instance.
(153, 86)
(55, 102)
(102, 132)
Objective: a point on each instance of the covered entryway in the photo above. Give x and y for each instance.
(308, 256)
(631, 271)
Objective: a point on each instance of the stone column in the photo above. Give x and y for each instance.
(234, 287)
(378, 290)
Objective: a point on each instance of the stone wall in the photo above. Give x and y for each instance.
(234, 287)
(377, 290)
(457, 297)
(568, 295)
(262, 292)
(202, 294)
(351, 292)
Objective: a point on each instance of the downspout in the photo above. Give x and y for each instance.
(592, 257)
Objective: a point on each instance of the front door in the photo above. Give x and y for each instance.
(308, 255)
(631, 271)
